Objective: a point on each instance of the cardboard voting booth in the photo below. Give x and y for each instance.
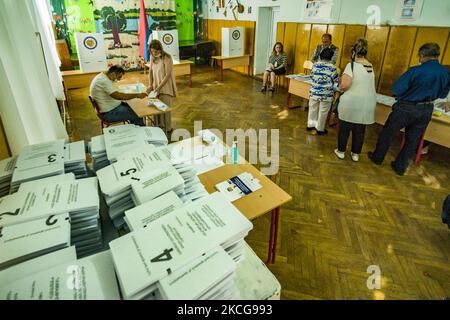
(232, 42)
(169, 40)
(91, 51)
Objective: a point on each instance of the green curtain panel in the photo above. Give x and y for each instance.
(185, 19)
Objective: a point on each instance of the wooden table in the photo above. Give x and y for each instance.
(143, 110)
(181, 68)
(74, 79)
(230, 62)
(298, 88)
(438, 130)
(267, 199)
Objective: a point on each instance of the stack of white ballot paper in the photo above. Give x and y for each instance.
(120, 139)
(157, 182)
(90, 278)
(27, 240)
(147, 255)
(52, 197)
(97, 150)
(75, 159)
(6, 171)
(38, 161)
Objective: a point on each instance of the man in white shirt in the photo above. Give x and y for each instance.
(109, 99)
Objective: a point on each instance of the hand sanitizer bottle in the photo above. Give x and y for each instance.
(234, 153)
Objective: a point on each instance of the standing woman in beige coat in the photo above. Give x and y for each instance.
(161, 79)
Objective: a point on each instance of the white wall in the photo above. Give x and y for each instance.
(434, 12)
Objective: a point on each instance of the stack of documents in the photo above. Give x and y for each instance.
(90, 278)
(97, 149)
(75, 159)
(40, 200)
(155, 183)
(300, 77)
(193, 188)
(120, 139)
(155, 136)
(146, 256)
(386, 100)
(6, 171)
(116, 179)
(31, 239)
(38, 161)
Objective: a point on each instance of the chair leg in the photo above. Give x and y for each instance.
(419, 150)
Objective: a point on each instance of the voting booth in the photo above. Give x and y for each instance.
(232, 42)
(91, 51)
(169, 40)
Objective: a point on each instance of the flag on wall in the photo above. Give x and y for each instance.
(143, 32)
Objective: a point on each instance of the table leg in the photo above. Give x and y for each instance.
(288, 101)
(190, 78)
(221, 72)
(273, 236)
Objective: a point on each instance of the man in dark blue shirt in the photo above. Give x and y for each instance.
(415, 92)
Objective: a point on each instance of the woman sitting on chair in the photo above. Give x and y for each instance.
(277, 66)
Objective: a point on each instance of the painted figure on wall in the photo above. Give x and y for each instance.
(114, 22)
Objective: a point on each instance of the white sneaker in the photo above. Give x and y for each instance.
(340, 155)
(355, 156)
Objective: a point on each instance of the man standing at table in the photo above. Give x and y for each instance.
(109, 98)
(415, 92)
(326, 43)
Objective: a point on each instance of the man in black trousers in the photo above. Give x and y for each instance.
(415, 92)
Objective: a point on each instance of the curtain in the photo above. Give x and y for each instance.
(27, 106)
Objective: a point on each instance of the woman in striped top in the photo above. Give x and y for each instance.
(277, 65)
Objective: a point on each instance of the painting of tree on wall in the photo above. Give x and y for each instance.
(114, 22)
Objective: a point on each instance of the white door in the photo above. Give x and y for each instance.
(275, 20)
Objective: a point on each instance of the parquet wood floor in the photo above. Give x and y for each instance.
(344, 216)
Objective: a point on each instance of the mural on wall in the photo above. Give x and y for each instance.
(185, 20)
(80, 18)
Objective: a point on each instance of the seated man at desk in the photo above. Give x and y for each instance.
(326, 43)
(109, 98)
(415, 91)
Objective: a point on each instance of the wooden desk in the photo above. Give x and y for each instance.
(298, 88)
(74, 79)
(438, 130)
(230, 62)
(143, 110)
(181, 68)
(267, 199)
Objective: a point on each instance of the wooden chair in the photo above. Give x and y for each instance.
(104, 123)
(307, 67)
(418, 156)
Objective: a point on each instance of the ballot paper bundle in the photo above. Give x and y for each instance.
(75, 159)
(157, 182)
(57, 195)
(120, 139)
(97, 150)
(193, 188)
(31, 239)
(6, 171)
(59, 276)
(116, 179)
(147, 255)
(38, 161)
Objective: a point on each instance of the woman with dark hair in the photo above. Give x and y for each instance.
(161, 78)
(357, 104)
(277, 66)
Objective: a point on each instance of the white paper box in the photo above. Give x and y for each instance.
(232, 42)
(91, 51)
(169, 40)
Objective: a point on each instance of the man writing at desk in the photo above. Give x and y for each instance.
(109, 99)
(415, 91)
(326, 43)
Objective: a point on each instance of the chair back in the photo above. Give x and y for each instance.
(307, 66)
(96, 107)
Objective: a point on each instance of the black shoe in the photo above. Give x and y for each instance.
(310, 128)
(370, 156)
(395, 169)
(321, 133)
(263, 89)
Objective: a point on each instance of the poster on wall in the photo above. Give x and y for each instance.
(409, 9)
(319, 10)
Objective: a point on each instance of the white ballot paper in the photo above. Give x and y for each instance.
(90, 278)
(120, 139)
(147, 255)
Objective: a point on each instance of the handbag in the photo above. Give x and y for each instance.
(335, 105)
